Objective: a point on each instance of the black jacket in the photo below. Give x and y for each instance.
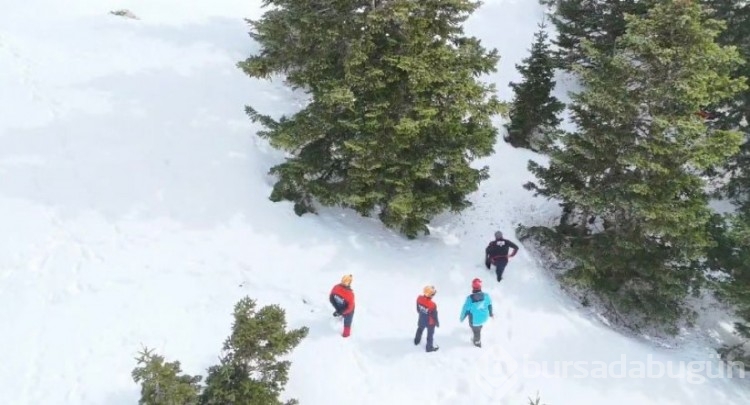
(498, 249)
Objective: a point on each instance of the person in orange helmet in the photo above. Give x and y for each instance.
(428, 318)
(342, 299)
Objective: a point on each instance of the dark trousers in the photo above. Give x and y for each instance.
(500, 267)
(348, 318)
(430, 335)
(477, 331)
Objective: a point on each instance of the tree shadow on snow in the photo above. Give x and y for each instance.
(174, 144)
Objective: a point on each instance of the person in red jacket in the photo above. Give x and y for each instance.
(342, 299)
(428, 318)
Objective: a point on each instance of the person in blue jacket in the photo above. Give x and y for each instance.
(478, 307)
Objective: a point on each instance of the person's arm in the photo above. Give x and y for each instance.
(332, 299)
(435, 314)
(514, 247)
(489, 305)
(465, 309)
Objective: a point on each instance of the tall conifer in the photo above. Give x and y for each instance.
(397, 113)
(636, 207)
(534, 111)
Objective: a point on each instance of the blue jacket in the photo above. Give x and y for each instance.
(478, 307)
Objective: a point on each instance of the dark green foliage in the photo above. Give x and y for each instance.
(164, 383)
(536, 400)
(636, 212)
(731, 254)
(249, 372)
(738, 188)
(737, 17)
(601, 22)
(396, 112)
(736, 112)
(732, 232)
(733, 257)
(736, 356)
(534, 110)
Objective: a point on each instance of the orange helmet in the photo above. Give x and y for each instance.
(429, 291)
(346, 280)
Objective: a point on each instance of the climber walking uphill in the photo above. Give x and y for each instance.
(478, 307)
(342, 299)
(497, 253)
(428, 318)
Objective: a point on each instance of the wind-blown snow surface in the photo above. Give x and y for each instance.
(134, 211)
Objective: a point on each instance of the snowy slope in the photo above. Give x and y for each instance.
(134, 211)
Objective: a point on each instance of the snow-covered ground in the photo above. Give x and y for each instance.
(134, 211)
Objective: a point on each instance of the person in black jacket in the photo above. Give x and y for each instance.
(496, 254)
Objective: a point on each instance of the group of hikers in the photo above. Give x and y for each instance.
(477, 306)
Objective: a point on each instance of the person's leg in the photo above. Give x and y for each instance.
(335, 308)
(348, 318)
(418, 335)
(471, 326)
(500, 268)
(476, 330)
(430, 335)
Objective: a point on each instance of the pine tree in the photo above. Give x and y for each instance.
(249, 372)
(396, 113)
(735, 114)
(731, 254)
(636, 212)
(164, 383)
(732, 232)
(601, 22)
(738, 289)
(536, 400)
(534, 110)
(738, 234)
(737, 17)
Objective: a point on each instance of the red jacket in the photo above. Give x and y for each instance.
(342, 298)
(427, 310)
